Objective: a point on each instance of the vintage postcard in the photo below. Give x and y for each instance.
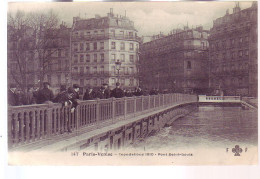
(132, 83)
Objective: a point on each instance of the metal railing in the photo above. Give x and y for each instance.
(105, 36)
(32, 123)
(204, 98)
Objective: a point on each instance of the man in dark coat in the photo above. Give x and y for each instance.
(73, 94)
(45, 94)
(106, 91)
(117, 92)
(12, 96)
(89, 94)
(100, 93)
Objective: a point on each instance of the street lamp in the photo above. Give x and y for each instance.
(118, 66)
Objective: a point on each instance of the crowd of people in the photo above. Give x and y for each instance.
(69, 96)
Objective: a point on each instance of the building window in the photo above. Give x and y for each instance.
(95, 57)
(87, 58)
(113, 45)
(113, 57)
(188, 64)
(75, 58)
(94, 70)
(203, 45)
(113, 81)
(232, 42)
(131, 58)
(81, 81)
(114, 69)
(122, 46)
(233, 55)
(240, 53)
(131, 82)
(101, 45)
(246, 52)
(81, 34)
(122, 57)
(59, 52)
(102, 69)
(102, 57)
(87, 81)
(131, 34)
(95, 45)
(131, 46)
(81, 70)
(87, 69)
(240, 40)
(87, 46)
(101, 81)
(66, 53)
(246, 39)
(81, 58)
(75, 47)
(112, 32)
(81, 46)
(131, 70)
(123, 81)
(122, 71)
(95, 82)
(49, 79)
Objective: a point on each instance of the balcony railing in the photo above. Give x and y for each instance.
(106, 36)
(36, 123)
(105, 74)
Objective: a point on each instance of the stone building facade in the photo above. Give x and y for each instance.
(97, 44)
(233, 53)
(176, 62)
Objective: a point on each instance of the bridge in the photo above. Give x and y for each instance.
(246, 102)
(103, 125)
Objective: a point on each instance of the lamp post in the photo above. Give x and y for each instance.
(118, 66)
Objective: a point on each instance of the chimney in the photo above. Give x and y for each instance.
(111, 10)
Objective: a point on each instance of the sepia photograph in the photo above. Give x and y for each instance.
(132, 83)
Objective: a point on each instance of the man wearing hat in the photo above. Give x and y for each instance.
(117, 92)
(73, 94)
(106, 91)
(45, 94)
(12, 96)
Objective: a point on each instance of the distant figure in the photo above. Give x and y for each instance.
(100, 93)
(117, 92)
(106, 91)
(89, 94)
(45, 94)
(153, 92)
(128, 93)
(12, 96)
(30, 96)
(138, 92)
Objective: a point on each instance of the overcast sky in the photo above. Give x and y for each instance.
(149, 17)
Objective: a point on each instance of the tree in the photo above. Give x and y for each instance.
(31, 39)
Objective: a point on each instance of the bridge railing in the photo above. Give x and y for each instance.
(204, 98)
(32, 123)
